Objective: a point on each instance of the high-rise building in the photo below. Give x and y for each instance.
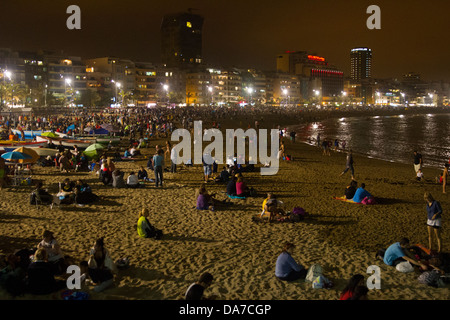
(361, 63)
(181, 40)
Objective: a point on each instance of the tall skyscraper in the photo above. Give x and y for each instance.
(181, 40)
(361, 63)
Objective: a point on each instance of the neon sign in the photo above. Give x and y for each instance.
(316, 58)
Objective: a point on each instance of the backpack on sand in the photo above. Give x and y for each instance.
(314, 271)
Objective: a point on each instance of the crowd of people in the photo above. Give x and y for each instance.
(37, 275)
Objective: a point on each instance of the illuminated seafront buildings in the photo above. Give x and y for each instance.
(182, 77)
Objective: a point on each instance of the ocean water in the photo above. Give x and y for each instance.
(390, 138)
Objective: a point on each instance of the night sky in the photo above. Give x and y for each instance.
(414, 34)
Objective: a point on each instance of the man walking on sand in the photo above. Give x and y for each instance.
(349, 165)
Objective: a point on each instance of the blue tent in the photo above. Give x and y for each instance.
(99, 131)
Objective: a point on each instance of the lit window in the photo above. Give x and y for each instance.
(189, 24)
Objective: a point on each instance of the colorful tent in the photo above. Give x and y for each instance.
(94, 150)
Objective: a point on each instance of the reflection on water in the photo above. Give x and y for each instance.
(391, 138)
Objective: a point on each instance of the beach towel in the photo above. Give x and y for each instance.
(235, 197)
(343, 198)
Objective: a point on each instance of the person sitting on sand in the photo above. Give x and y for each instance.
(134, 152)
(132, 180)
(224, 176)
(196, 290)
(349, 290)
(66, 193)
(127, 154)
(83, 193)
(242, 190)
(351, 189)
(143, 175)
(54, 253)
(231, 186)
(205, 201)
(101, 266)
(287, 269)
(44, 196)
(144, 228)
(397, 253)
(361, 193)
(41, 279)
(118, 181)
(272, 207)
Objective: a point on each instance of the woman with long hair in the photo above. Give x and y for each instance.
(355, 281)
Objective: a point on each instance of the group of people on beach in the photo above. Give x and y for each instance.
(47, 260)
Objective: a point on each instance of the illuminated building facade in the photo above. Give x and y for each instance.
(361, 64)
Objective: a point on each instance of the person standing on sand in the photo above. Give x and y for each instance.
(417, 161)
(434, 216)
(444, 177)
(349, 165)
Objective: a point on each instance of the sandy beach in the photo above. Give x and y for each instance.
(240, 253)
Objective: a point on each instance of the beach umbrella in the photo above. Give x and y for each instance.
(33, 154)
(110, 127)
(49, 134)
(71, 127)
(15, 156)
(94, 150)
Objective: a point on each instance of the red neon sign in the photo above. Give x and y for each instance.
(316, 58)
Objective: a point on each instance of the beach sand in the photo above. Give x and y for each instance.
(241, 254)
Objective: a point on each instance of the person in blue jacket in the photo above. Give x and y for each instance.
(287, 268)
(361, 193)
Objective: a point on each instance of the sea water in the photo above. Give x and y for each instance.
(390, 138)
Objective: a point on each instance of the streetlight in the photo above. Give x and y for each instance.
(8, 74)
(67, 81)
(285, 92)
(250, 91)
(210, 89)
(166, 89)
(118, 85)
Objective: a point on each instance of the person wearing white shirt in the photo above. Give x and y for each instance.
(132, 180)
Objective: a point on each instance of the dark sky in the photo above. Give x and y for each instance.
(414, 34)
